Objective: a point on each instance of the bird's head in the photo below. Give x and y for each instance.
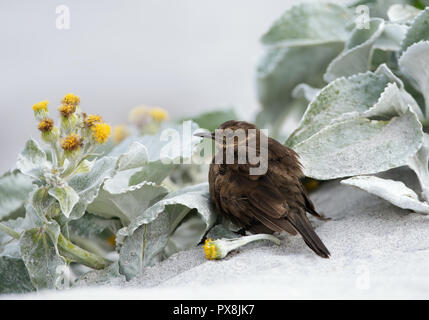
(231, 134)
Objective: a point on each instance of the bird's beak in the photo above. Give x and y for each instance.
(204, 134)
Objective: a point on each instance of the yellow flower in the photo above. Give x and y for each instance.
(92, 119)
(41, 106)
(46, 125)
(139, 116)
(67, 109)
(71, 99)
(219, 249)
(71, 142)
(120, 132)
(158, 114)
(210, 249)
(100, 132)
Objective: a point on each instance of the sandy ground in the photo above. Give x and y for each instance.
(378, 251)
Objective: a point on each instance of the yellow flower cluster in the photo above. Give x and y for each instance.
(71, 142)
(120, 132)
(100, 132)
(67, 109)
(46, 125)
(140, 115)
(158, 114)
(41, 106)
(92, 119)
(71, 99)
(210, 249)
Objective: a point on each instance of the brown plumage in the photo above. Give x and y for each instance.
(272, 202)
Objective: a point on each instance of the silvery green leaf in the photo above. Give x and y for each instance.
(66, 197)
(155, 171)
(15, 189)
(32, 160)
(14, 276)
(40, 255)
(360, 146)
(385, 47)
(403, 97)
(281, 69)
(392, 102)
(418, 30)
(125, 202)
(309, 24)
(165, 151)
(177, 205)
(84, 166)
(304, 91)
(109, 276)
(190, 220)
(356, 56)
(419, 164)
(143, 247)
(135, 157)
(414, 64)
(393, 191)
(402, 13)
(219, 231)
(356, 94)
(213, 119)
(378, 8)
(88, 184)
(91, 226)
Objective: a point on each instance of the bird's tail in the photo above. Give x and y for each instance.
(303, 226)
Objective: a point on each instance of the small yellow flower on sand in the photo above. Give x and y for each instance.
(210, 249)
(71, 142)
(158, 114)
(67, 109)
(92, 119)
(100, 132)
(46, 125)
(71, 99)
(120, 132)
(42, 105)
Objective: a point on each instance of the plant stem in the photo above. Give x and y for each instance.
(77, 254)
(9, 231)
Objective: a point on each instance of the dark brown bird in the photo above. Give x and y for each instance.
(274, 201)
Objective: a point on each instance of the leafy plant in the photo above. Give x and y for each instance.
(371, 114)
(69, 205)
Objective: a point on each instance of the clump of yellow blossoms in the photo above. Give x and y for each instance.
(92, 119)
(147, 119)
(78, 135)
(120, 132)
(71, 143)
(46, 125)
(158, 114)
(70, 99)
(42, 105)
(67, 110)
(219, 249)
(100, 132)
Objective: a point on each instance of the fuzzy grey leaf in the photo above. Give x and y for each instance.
(418, 30)
(15, 189)
(32, 160)
(40, 255)
(356, 57)
(360, 146)
(66, 197)
(393, 191)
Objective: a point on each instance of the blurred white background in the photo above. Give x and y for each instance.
(184, 55)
